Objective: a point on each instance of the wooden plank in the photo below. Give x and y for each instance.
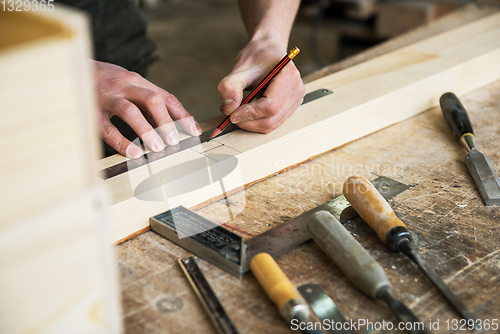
(367, 98)
(57, 274)
(42, 102)
(55, 251)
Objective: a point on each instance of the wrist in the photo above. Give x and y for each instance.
(271, 31)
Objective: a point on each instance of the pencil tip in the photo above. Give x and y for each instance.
(215, 134)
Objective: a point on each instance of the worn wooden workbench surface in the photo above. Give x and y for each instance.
(452, 230)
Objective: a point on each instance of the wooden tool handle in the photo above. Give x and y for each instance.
(455, 115)
(274, 281)
(371, 206)
(347, 253)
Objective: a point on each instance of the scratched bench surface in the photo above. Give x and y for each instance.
(453, 231)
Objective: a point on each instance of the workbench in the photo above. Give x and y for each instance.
(453, 230)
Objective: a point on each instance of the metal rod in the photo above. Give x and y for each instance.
(401, 312)
(406, 248)
(207, 297)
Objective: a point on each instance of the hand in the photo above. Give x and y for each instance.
(141, 105)
(280, 99)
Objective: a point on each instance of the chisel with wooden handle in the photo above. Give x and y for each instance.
(479, 165)
(357, 264)
(280, 290)
(375, 211)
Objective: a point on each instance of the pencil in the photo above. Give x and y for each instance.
(260, 87)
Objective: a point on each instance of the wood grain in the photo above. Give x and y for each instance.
(57, 271)
(368, 97)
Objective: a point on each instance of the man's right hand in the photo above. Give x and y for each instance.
(142, 105)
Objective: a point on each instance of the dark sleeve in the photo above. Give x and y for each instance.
(119, 33)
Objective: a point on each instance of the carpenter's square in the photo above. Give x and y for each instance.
(227, 250)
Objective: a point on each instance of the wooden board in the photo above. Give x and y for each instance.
(367, 98)
(57, 268)
(57, 271)
(44, 98)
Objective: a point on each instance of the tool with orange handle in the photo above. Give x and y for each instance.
(375, 211)
(279, 289)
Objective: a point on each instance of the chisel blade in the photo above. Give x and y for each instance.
(325, 309)
(484, 177)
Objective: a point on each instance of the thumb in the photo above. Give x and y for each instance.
(231, 91)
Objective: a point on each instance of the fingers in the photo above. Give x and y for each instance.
(163, 108)
(131, 115)
(154, 107)
(231, 91)
(113, 137)
(269, 124)
(142, 105)
(283, 95)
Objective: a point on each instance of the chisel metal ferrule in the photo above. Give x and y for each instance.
(295, 309)
(468, 140)
(395, 235)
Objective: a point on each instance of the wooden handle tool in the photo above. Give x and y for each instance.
(356, 263)
(279, 288)
(375, 210)
(347, 253)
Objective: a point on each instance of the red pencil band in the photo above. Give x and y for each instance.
(270, 76)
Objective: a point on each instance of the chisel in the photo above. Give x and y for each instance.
(280, 290)
(357, 264)
(375, 211)
(479, 164)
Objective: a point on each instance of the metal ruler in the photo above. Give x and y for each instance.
(227, 250)
(187, 143)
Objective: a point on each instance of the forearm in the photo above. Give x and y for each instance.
(269, 19)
